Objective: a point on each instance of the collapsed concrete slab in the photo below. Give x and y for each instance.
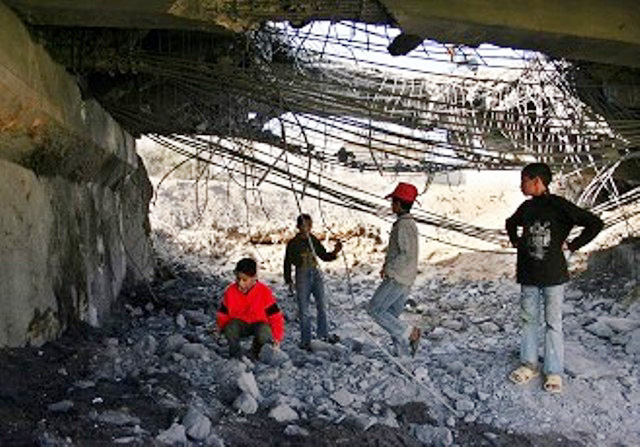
(73, 198)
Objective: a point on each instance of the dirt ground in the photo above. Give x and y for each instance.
(33, 378)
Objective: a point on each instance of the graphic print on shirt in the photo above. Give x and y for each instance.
(539, 239)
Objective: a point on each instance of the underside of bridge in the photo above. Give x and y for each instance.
(80, 80)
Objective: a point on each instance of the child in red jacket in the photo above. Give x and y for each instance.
(249, 308)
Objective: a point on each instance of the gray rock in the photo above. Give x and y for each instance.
(146, 346)
(620, 324)
(214, 440)
(455, 367)
(118, 418)
(582, 364)
(361, 422)
(196, 317)
(573, 294)
(633, 345)
(283, 413)
(173, 343)
(320, 346)
(60, 407)
(433, 436)
(600, 329)
(389, 419)
(465, 405)
(195, 351)
(84, 384)
(343, 397)
(173, 436)
(454, 325)
(247, 383)
(295, 430)
(489, 328)
(422, 374)
(181, 321)
(246, 403)
(197, 425)
(272, 356)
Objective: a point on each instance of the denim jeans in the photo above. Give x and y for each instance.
(385, 307)
(236, 329)
(531, 302)
(309, 281)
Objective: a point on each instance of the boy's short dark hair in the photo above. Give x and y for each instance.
(301, 219)
(247, 266)
(540, 170)
(404, 206)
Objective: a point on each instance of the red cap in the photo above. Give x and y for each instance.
(405, 192)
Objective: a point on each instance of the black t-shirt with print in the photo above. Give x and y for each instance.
(546, 222)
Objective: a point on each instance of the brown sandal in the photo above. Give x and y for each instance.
(414, 340)
(523, 374)
(553, 383)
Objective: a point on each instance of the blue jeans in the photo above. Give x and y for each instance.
(385, 307)
(309, 281)
(531, 302)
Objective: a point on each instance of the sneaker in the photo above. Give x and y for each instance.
(414, 340)
(331, 339)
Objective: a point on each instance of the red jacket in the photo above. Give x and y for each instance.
(258, 305)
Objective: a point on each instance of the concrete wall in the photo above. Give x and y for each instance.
(73, 198)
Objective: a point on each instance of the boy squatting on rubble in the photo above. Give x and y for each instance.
(303, 251)
(398, 273)
(546, 220)
(248, 308)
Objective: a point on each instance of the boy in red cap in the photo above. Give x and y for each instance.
(249, 308)
(398, 273)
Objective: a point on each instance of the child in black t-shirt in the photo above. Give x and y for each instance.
(546, 221)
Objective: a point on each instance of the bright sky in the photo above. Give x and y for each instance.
(366, 45)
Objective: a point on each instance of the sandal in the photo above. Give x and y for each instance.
(523, 374)
(331, 339)
(414, 340)
(553, 383)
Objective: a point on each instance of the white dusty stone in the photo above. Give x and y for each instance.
(389, 419)
(246, 403)
(343, 397)
(283, 413)
(247, 383)
(173, 436)
(421, 373)
(465, 405)
(197, 425)
(181, 321)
